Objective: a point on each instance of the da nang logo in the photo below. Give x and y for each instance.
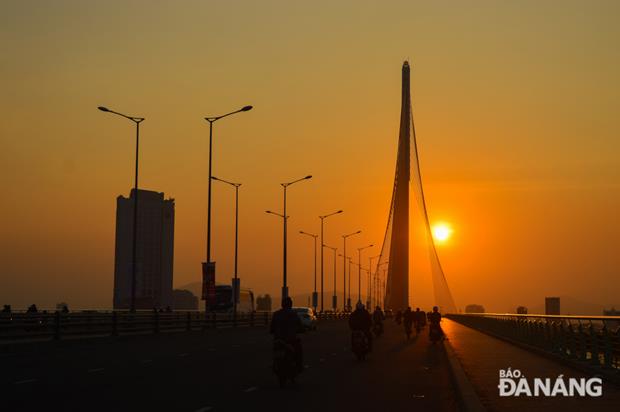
(513, 383)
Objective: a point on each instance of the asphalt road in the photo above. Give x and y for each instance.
(225, 370)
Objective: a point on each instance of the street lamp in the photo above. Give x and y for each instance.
(210, 267)
(314, 294)
(359, 273)
(137, 121)
(344, 266)
(284, 253)
(322, 244)
(236, 282)
(370, 279)
(334, 297)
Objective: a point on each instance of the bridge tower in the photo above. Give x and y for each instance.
(397, 288)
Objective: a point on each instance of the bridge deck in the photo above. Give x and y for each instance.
(482, 356)
(225, 370)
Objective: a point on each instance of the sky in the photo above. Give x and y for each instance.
(515, 105)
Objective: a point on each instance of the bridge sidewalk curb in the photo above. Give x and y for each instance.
(470, 402)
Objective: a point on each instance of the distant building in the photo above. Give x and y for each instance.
(522, 310)
(552, 306)
(183, 299)
(154, 251)
(611, 312)
(474, 308)
(263, 303)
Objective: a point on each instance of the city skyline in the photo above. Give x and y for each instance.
(516, 142)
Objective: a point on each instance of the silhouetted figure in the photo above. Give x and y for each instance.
(419, 319)
(398, 317)
(65, 309)
(408, 321)
(360, 320)
(6, 309)
(377, 319)
(285, 324)
(168, 309)
(435, 331)
(32, 309)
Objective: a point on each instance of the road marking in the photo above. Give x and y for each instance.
(25, 381)
(251, 389)
(418, 396)
(95, 370)
(205, 409)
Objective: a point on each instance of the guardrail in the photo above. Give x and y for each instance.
(16, 327)
(592, 340)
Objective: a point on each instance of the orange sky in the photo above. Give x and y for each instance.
(516, 115)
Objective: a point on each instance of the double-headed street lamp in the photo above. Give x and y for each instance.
(344, 266)
(359, 273)
(334, 297)
(137, 121)
(210, 266)
(322, 244)
(236, 282)
(314, 294)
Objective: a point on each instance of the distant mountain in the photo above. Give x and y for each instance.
(572, 306)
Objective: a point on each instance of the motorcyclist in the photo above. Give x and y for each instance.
(407, 319)
(398, 317)
(418, 319)
(360, 320)
(434, 319)
(285, 324)
(378, 317)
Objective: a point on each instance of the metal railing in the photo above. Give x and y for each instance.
(592, 340)
(21, 326)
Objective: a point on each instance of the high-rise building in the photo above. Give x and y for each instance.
(154, 251)
(552, 306)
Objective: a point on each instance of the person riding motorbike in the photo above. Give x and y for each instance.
(418, 318)
(360, 320)
(407, 320)
(434, 319)
(285, 324)
(377, 318)
(398, 317)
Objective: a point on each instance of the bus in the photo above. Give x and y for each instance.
(224, 301)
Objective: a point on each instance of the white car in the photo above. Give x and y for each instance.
(308, 318)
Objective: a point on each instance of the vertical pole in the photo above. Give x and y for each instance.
(313, 301)
(236, 291)
(209, 204)
(349, 286)
(359, 274)
(322, 246)
(335, 302)
(344, 273)
(135, 224)
(284, 285)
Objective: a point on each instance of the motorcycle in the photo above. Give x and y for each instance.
(377, 329)
(359, 344)
(435, 333)
(284, 363)
(408, 330)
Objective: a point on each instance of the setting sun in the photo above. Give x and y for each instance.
(442, 232)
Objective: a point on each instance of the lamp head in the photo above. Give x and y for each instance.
(246, 108)
(103, 109)
(308, 177)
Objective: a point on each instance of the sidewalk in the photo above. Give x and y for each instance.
(482, 356)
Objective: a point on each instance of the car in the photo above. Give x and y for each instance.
(307, 317)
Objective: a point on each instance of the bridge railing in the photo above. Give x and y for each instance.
(21, 326)
(593, 340)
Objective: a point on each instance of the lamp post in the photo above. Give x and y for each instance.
(284, 252)
(381, 282)
(236, 281)
(344, 266)
(137, 121)
(314, 294)
(370, 280)
(334, 297)
(359, 273)
(322, 244)
(211, 120)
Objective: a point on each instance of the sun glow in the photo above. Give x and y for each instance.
(442, 232)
